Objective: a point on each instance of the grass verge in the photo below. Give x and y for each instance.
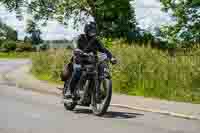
(11, 55)
(141, 72)
(45, 77)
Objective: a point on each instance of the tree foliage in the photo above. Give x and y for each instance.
(186, 30)
(7, 32)
(114, 17)
(8, 45)
(34, 31)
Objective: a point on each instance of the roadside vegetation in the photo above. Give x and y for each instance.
(15, 49)
(48, 65)
(11, 47)
(14, 55)
(142, 71)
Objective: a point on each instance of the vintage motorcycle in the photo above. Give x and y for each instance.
(95, 81)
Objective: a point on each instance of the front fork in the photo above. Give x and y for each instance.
(65, 87)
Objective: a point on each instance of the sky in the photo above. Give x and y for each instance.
(148, 15)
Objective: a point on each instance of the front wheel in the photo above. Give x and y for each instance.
(100, 108)
(68, 104)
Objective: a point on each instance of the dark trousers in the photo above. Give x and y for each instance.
(75, 77)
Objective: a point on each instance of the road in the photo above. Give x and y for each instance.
(23, 111)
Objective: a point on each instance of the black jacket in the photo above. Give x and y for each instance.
(88, 44)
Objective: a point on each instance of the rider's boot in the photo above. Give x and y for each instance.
(67, 92)
(68, 95)
(83, 100)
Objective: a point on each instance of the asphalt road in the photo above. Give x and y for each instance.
(23, 111)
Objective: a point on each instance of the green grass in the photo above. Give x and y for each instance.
(11, 55)
(141, 71)
(48, 65)
(45, 77)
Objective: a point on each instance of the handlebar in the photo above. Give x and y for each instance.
(78, 52)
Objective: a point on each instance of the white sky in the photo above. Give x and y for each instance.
(148, 15)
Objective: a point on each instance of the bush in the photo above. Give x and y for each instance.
(21, 47)
(108, 42)
(44, 46)
(9, 45)
(3, 50)
(41, 47)
(1, 41)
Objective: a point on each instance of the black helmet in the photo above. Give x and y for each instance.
(90, 29)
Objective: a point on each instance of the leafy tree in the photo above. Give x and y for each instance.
(2, 32)
(186, 30)
(31, 26)
(114, 17)
(12, 35)
(27, 39)
(34, 31)
(7, 32)
(8, 45)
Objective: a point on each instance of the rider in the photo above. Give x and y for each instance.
(87, 43)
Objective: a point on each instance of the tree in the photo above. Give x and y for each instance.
(186, 30)
(114, 17)
(7, 32)
(27, 39)
(31, 26)
(12, 35)
(34, 31)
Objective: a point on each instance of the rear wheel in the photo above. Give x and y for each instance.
(100, 108)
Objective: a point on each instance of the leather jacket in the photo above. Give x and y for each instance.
(88, 44)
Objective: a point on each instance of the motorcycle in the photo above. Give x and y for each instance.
(95, 84)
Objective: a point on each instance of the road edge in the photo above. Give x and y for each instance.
(24, 72)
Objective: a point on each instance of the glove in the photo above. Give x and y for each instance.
(113, 60)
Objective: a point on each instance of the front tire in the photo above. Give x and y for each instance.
(70, 106)
(100, 111)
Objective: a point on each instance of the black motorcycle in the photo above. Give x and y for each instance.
(95, 84)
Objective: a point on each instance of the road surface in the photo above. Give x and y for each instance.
(23, 111)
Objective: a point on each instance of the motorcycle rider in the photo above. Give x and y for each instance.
(87, 43)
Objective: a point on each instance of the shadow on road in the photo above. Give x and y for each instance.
(82, 111)
(121, 115)
(111, 114)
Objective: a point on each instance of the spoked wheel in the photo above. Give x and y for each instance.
(69, 104)
(99, 108)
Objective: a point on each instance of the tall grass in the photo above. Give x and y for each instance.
(152, 73)
(48, 65)
(141, 71)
